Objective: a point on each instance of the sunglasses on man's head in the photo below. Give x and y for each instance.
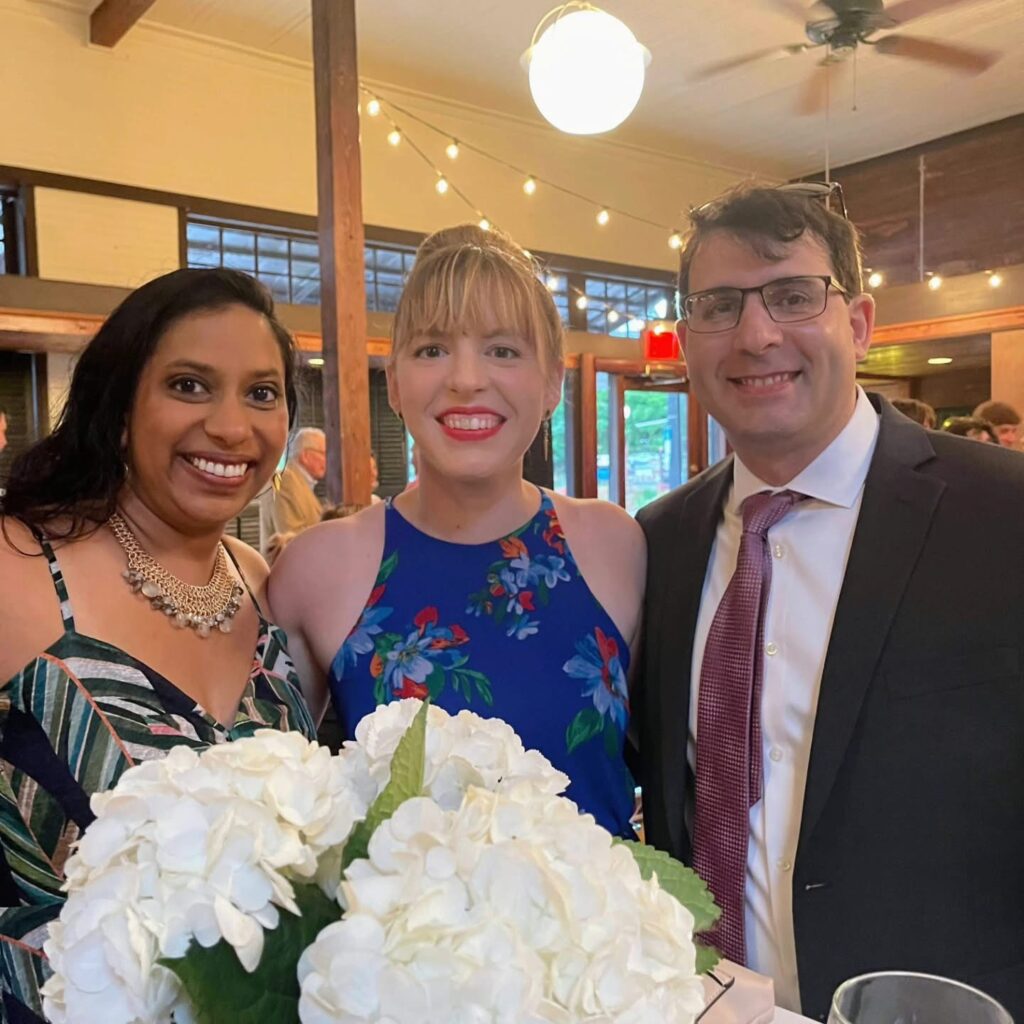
(823, 190)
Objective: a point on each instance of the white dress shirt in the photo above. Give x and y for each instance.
(810, 548)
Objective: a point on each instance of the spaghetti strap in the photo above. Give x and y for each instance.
(245, 582)
(59, 585)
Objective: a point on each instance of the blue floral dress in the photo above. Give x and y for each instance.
(508, 629)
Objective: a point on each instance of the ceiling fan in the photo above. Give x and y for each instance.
(842, 25)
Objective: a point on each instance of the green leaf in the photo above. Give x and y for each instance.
(435, 681)
(379, 690)
(587, 724)
(677, 880)
(612, 739)
(406, 782)
(219, 987)
(387, 568)
(707, 958)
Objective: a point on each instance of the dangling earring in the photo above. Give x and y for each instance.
(546, 428)
(275, 481)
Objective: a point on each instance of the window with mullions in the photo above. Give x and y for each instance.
(287, 260)
(558, 285)
(621, 307)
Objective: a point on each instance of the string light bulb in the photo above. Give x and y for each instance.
(613, 316)
(485, 224)
(552, 283)
(875, 279)
(994, 279)
(603, 217)
(530, 186)
(935, 282)
(581, 302)
(441, 185)
(452, 150)
(394, 137)
(675, 240)
(373, 107)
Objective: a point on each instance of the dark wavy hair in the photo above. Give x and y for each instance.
(74, 475)
(769, 219)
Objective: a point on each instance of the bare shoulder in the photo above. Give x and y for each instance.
(610, 551)
(29, 607)
(595, 522)
(326, 558)
(252, 564)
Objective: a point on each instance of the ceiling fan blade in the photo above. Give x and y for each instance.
(813, 96)
(775, 53)
(903, 10)
(965, 59)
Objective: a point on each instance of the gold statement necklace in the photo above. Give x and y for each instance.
(203, 609)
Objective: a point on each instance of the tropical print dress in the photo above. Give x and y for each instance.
(508, 629)
(71, 722)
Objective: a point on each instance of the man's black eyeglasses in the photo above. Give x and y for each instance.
(787, 300)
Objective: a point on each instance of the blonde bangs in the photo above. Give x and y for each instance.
(473, 289)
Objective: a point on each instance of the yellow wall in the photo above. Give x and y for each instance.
(172, 112)
(98, 240)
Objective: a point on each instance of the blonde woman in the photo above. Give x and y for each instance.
(477, 588)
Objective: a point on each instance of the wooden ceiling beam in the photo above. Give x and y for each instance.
(113, 18)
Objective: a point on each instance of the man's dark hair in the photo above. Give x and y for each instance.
(918, 411)
(74, 474)
(999, 414)
(768, 219)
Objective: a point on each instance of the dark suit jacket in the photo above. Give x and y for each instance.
(911, 849)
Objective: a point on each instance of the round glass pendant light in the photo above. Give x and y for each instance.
(586, 69)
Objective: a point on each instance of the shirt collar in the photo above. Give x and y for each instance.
(836, 476)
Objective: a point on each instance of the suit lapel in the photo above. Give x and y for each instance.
(895, 515)
(686, 568)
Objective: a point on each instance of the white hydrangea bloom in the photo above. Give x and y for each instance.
(463, 750)
(192, 847)
(513, 909)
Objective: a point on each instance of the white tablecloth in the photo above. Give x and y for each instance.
(787, 1017)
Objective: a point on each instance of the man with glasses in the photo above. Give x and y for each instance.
(832, 741)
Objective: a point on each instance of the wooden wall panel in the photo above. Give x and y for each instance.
(974, 203)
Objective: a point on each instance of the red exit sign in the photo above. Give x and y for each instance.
(661, 345)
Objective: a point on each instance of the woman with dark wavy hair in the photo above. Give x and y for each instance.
(128, 622)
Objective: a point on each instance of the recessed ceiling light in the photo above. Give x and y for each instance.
(940, 361)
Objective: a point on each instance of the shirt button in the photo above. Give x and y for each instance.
(775, 754)
(784, 865)
(779, 551)
(770, 649)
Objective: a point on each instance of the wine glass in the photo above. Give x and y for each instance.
(901, 997)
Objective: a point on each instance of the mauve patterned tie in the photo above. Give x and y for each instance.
(729, 758)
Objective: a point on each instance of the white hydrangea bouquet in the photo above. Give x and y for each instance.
(430, 873)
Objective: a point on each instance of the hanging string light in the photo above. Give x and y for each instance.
(441, 185)
(373, 107)
(394, 137)
(452, 150)
(530, 185)
(603, 216)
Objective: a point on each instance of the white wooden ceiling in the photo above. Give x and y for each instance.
(469, 51)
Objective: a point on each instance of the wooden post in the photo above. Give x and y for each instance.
(113, 18)
(340, 226)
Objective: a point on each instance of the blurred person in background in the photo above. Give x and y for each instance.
(296, 506)
(919, 412)
(973, 427)
(1005, 419)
